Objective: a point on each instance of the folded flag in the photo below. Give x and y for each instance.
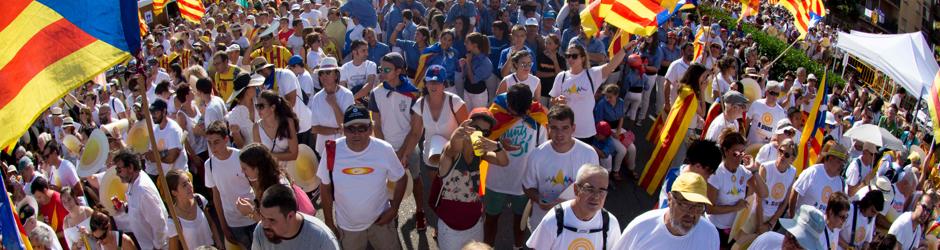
(51, 47)
(674, 133)
(591, 18)
(500, 108)
(405, 88)
(811, 141)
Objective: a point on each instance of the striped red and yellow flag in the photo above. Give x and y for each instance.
(749, 8)
(143, 25)
(639, 17)
(817, 7)
(698, 45)
(51, 47)
(933, 104)
(11, 228)
(191, 10)
(616, 45)
(811, 141)
(653, 135)
(672, 136)
(591, 18)
(804, 13)
(158, 6)
(422, 67)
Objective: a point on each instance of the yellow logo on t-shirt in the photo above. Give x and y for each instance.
(581, 244)
(778, 191)
(358, 171)
(826, 192)
(767, 118)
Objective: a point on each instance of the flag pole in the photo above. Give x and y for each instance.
(784, 52)
(163, 188)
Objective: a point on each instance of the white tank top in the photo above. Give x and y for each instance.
(777, 186)
(277, 145)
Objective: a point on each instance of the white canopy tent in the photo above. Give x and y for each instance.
(906, 58)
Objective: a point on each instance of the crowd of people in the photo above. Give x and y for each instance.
(508, 107)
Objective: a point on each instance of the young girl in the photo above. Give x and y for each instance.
(198, 228)
(262, 171)
(522, 61)
(477, 67)
(102, 229)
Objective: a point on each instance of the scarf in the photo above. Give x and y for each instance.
(535, 116)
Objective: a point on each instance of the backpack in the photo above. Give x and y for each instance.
(560, 224)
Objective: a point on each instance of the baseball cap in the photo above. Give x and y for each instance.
(550, 14)
(295, 60)
(734, 97)
(692, 187)
(435, 73)
(806, 226)
(356, 115)
(233, 48)
(531, 22)
(603, 128)
(295, 7)
(782, 126)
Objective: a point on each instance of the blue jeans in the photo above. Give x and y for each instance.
(243, 235)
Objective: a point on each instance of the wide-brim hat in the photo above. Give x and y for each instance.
(806, 227)
(327, 63)
(259, 63)
(242, 82)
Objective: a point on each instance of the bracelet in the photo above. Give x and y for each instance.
(499, 148)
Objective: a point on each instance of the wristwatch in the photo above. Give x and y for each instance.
(499, 147)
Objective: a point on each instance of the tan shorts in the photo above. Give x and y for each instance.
(381, 237)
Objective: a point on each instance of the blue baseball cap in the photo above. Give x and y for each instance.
(435, 73)
(550, 14)
(295, 60)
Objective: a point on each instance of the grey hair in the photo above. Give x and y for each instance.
(589, 170)
(42, 235)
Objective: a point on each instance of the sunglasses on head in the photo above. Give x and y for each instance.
(357, 128)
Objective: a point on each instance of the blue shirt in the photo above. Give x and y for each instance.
(409, 31)
(487, 16)
(606, 145)
(504, 56)
(566, 37)
(592, 46)
(448, 60)
(633, 79)
(496, 47)
(378, 51)
(655, 59)
(467, 9)
(362, 10)
(394, 16)
(670, 55)
(482, 67)
(410, 51)
(460, 46)
(603, 111)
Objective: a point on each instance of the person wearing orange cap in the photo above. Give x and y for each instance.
(634, 83)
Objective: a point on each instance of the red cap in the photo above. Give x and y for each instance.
(635, 60)
(603, 128)
(484, 113)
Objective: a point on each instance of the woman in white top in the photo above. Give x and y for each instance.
(441, 113)
(328, 104)
(187, 116)
(726, 75)
(101, 229)
(729, 185)
(198, 229)
(76, 222)
(522, 63)
(778, 176)
(242, 116)
(277, 129)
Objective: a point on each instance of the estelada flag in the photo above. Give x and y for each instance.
(804, 13)
(500, 108)
(672, 136)
(191, 10)
(423, 62)
(933, 103)
(51, 47)
(11, 229)
(811, 141)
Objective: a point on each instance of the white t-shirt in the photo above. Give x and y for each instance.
(768, 240)
(767, 152)
(356, 75)
(895, 206)
(720, 84)
(856, 171)
(546, 236)
(312, 17)
(226, 175)
(579, 93)
(731, 187)
(648, 231)
(395, 109)
(764, 118)
(295, 44)
(215, 111)
(778, 185)
(903, 229)
(508, 179)
(313, 58)
(720, 124)
(359, 182)
(196, 232)
(532, 81)
(814, 186)
(168, 138)
(240, 116)
(864, 228)
(833, 239)
(446, 121)
(307, 85)
(551, 172)
(64, 175)
(117, 107)
(322, 113)
(676, 69)
(286, 83)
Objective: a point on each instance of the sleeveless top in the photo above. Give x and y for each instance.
(276, 145)
(198, 143)
(462, 181)
(74, 237)
(196, 232)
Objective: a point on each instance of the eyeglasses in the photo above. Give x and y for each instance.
(357, 128)
(526, 64)
(773, 93)
(260, 105)
(572, 56)
(592, 191)
(927, 208)
(486, 132)
(384, 70)
(685, 205)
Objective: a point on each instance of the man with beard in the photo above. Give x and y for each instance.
(283, 227)
(587, 223)
(678, 226)
(143, 212)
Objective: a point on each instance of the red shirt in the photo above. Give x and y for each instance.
(53, 213)
(284, 35)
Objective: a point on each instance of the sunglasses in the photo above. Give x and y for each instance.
(525, 65)
(384, 70)
(572, 56)
(357, 128)
(260, 105)
(773, 93)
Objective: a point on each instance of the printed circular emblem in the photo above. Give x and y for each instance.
(860, 234)
(358, 171)
(778, 191)
(767, 118)
(581, 244)
(826, 192)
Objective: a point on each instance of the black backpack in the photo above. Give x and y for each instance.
(560, 223)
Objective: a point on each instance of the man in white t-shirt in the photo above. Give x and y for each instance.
(581, 223)
(355, 185)
(311, 15)
(734, 105)
(169, 137)
(327, 105)
(228, 184)
(907, 227)
(801, 232)
(679, 226)
(860, 223)
(675, 71)
(305, 81)
(359, 75)
(817, 183)
(859, 173)
(62, 173)
(296, 40)
(553, 166)
(763, 115)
